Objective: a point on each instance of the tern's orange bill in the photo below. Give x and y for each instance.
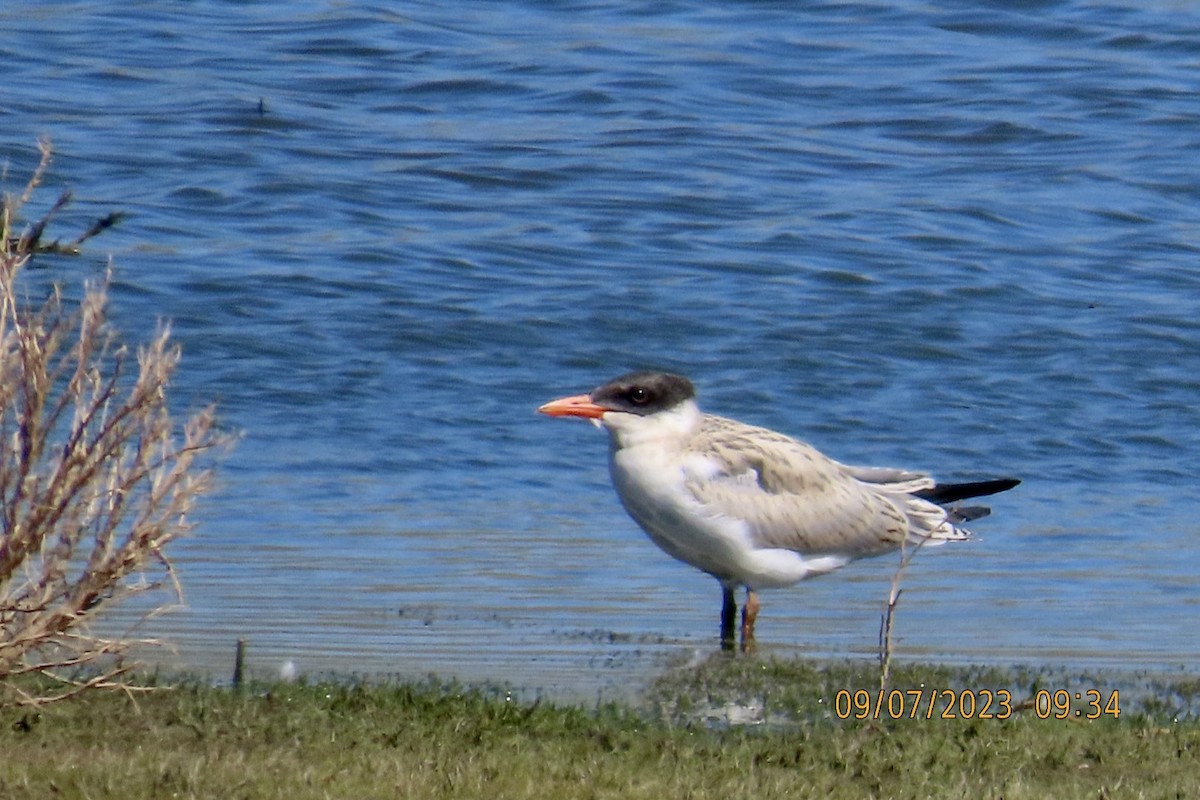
(579, 405)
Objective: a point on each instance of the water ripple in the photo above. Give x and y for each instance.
(935, 235)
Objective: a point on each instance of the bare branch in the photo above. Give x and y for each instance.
(886, 622)
(96, 477)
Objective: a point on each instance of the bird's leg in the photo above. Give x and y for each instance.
(749, 615)
(728, 615)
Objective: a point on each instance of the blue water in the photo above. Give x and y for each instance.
(955, 236)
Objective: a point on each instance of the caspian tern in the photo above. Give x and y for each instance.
(753, 507)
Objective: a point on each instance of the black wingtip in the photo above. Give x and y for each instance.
(953, 492)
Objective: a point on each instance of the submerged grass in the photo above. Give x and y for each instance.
(433, 740)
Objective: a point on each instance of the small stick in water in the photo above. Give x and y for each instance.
(239, 660)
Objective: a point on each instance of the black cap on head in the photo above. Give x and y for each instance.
(644, 393)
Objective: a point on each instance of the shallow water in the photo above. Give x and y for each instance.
(959, 237)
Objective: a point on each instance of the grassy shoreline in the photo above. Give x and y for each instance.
(728, 728)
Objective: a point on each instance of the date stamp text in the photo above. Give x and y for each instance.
(924, 703)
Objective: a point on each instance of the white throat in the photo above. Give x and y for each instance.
(669, 429)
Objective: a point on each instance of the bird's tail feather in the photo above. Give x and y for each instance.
(934, 520)
(957, 514)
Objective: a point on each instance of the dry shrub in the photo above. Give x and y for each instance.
(96, 478)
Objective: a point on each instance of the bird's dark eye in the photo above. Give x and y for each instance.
(639, 396)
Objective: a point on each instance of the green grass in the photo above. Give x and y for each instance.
(444, 741)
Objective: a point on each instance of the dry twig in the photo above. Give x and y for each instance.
(96, 478)
(907, 552)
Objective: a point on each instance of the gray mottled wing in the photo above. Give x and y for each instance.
(792, 496)
(896, 480)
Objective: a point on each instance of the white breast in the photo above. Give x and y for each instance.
(651, 487)
(651, 481)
